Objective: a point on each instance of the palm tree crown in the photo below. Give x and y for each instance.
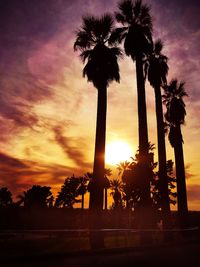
(116, 188)
(92, 41)
(173, 98)
(136, 30)
(157, 66)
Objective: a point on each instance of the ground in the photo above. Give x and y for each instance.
(184, 254)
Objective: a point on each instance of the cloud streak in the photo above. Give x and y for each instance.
(71, 151)
(18, 175)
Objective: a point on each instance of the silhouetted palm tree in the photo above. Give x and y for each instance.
(137, 35)
(101, 69)
(82, 189)
(108, 172)
(123, 166)
(116, 192)
(175, 116)
(157, 72)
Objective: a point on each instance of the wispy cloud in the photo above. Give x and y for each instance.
(73, 152)
(19, 174)
(193, 192)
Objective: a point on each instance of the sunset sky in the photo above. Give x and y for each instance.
(48, 110)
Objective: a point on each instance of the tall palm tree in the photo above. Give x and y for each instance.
(101, 69)
(175, 116)
(157, 72)
(137, 35)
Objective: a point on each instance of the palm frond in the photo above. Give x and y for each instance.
(158, 46)
(120, 18)
(137, 8)
(83, 41)
(145, 17)
(107, 23)
(116, 52)
(88, 23)
(108, 172)
(85, 54)
(117, 35)
(126, 8)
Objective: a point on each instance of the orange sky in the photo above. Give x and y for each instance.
(48, 111)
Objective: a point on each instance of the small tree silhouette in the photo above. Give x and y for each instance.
(36, 197)
(5, 197)
(69, 193)
(116, 193)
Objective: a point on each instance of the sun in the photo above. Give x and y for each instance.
(117, 151)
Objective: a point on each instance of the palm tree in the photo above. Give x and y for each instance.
(175, 116)
(124, 170)
(122, 167)
(116, 192)
(82, 189)
(157, 72)
(101, 69)
(137, 35)
(108, 172)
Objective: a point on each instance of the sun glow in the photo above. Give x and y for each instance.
(117, 151)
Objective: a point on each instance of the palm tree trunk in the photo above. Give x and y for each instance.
(146, 213)
(96, 192)
(82, 202)
(142, 113)
(106, 198)
(181, 182)
(165, 205)
(96, 195)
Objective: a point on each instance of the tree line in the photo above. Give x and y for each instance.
(125, 190)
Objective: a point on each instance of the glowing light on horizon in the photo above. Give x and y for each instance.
(118, 151)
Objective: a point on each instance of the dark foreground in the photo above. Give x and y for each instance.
(182, 254)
